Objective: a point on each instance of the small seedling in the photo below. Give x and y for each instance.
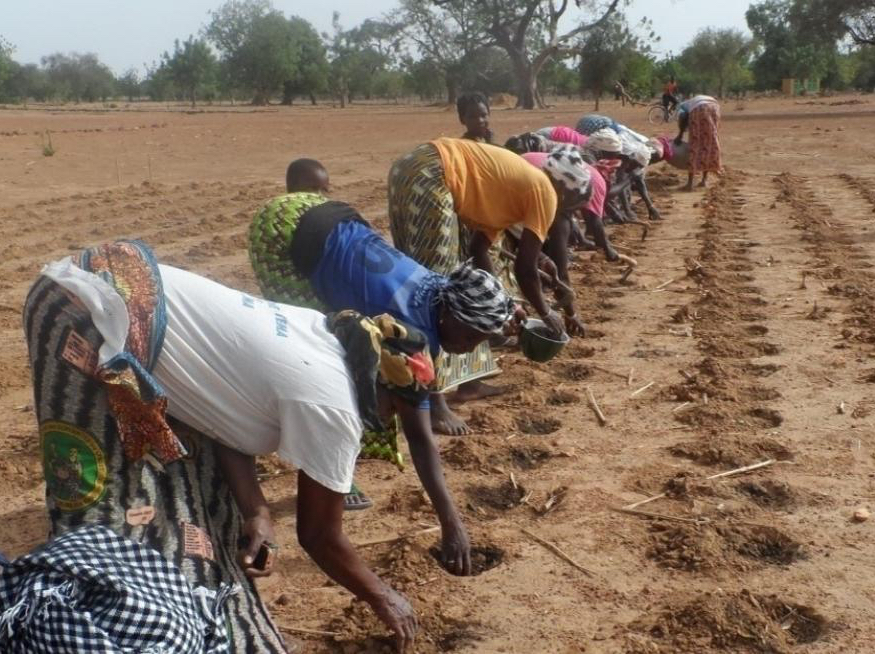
(48, 148)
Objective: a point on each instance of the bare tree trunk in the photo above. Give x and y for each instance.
(312, 99)
(527, 81)
(452, 90)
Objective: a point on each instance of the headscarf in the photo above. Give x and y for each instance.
(386, 352)
(635, 149)
(604, 140)
(528, 142)
(667, 147)
(566, 166)
(592, 123)
(476, 298)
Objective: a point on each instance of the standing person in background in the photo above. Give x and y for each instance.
(473, 111)
(701, 115)
(670, 94)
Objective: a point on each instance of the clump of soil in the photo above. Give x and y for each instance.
(574, 371)
(709, 547)
(502, 497)
(489, 421)
(462, 454)
(538, 426)
(558, 397)
(482, 558)
(361, 632)
(732, 451)
(766, 417)
(741, 622)
(528, 458)
(768, 493)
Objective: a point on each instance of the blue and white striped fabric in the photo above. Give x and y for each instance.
(94, 591)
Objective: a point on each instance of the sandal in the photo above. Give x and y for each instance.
(356, 500)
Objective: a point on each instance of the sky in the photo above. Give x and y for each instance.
(132, 33)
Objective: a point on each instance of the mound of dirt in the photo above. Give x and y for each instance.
(711, 547)
(503, 497)
(360, 632)
(731, 450)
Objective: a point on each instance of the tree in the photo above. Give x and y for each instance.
(447, 36)
(129, 84)
(261, 48)
(191, 67)
(836, 19)
(720, 56)
(78, 77)
(311, 74)
(605, 51)
(784, 51)
(528, 31)
(6, 62)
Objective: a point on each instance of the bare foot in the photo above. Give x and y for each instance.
(476, 390)
(702, 184)
(687, 187)
(443, 420)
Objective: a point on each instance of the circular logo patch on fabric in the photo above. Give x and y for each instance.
(74, 465)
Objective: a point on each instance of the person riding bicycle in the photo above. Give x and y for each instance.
(669, 95)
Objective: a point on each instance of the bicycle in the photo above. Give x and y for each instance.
(658, 114)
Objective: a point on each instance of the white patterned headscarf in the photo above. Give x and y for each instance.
(567, 168)
(604, 140)
(634, 149)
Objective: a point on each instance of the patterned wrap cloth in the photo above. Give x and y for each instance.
(270, 234)
(383, 351)
(94, 591)
(184, 510)
(138, 402)
(704, 123)
(425, 226)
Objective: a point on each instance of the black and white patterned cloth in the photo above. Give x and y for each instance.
(476, 298)
(94, 591)
(566, 166)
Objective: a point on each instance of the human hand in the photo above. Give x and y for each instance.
(654, 214)
(553, 322)
(611, 254)
(678, 140)
(574, 325)
(397, 614)
(257, 533)
(456, 550)
(512, 326)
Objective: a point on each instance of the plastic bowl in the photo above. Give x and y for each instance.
(535, 343)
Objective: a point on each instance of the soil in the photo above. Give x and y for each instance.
(760, 346)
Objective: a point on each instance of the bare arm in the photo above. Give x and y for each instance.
(320, 533)
(479, 250)
(557, 249)
(239, 471)
(640, 186)
(596, 229)
(456, 547)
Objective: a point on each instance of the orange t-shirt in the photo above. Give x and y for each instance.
(670, 88)
(494, 188)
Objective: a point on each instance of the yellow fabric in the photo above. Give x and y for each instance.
(494, 188)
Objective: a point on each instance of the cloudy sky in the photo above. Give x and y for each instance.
(130, 33)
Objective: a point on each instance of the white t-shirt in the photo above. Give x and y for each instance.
(258, 376)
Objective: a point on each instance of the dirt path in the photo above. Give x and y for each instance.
(751, 313)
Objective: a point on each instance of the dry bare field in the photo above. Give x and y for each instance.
(752, 312)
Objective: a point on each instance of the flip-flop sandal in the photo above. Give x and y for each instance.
(356, 500)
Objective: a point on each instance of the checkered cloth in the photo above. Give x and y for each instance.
(94, 591)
